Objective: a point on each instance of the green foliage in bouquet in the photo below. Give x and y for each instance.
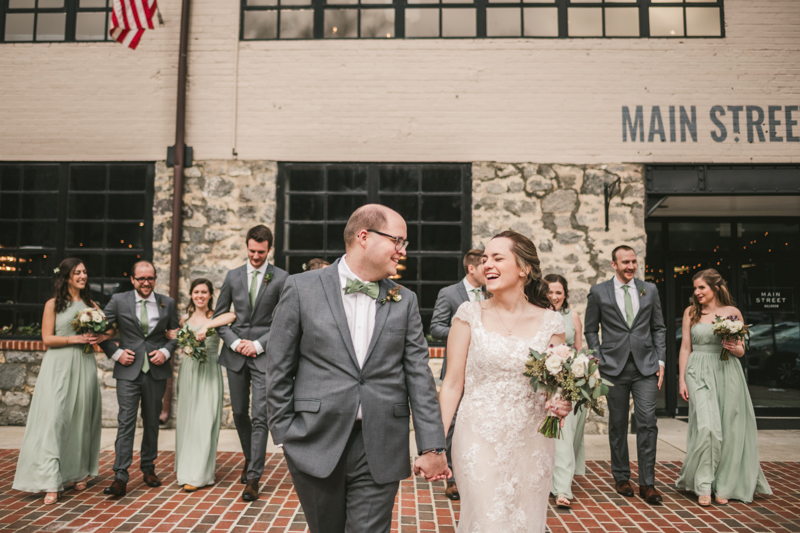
(91, 321)
(190, 346)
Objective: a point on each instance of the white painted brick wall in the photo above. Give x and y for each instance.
(404, 100)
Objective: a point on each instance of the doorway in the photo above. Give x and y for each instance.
(757, 257)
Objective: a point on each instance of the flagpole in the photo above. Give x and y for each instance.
(180, 150)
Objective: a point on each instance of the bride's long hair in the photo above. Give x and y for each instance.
(524, 250)
(717, 284)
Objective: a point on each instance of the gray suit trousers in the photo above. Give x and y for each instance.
(130, 393)
(349, 500)
(250, 425)
(645, 395)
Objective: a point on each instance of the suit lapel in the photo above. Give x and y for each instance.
(333, 292)
(612, 294)
(639, 286)
(462, 291)
(246, 289)
(381, 314)
(132, 302)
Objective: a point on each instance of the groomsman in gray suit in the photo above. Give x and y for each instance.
(632, 358)
(469, 289)
(346, 356)
(253, 291)
(143, 318)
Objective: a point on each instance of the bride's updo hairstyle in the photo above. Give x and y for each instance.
(528, 260)
(716, 284)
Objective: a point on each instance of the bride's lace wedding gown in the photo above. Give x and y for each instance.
(502, 463)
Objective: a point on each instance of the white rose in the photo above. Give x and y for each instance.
(579, 366)
(96, 316)
(562, 350)
(736, 327)
(85, 317)
(553, 364)
(727, 324)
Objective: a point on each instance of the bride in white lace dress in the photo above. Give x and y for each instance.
(502, 463)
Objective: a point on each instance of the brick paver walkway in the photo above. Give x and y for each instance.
(420, 506)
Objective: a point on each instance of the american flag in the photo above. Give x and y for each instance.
(129, 20)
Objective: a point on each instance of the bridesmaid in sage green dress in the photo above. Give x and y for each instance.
(722, 442)
(570, 453)
(62, 438)
(199, 394)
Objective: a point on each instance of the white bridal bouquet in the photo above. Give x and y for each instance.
(89, 320)
(573, 375)
(189, 346)
(730, 328)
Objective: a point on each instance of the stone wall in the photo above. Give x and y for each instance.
(561, 208)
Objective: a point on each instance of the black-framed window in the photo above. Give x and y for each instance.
(99, 212)
(413, 19)
(54, 20)
(315, 201)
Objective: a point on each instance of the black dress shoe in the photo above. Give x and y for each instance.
(118, 488)
(624, 488)
(151, 479)
(244, 471)
(452, 491)
(250, 492)
(649, 494)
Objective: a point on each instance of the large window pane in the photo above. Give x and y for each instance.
(458, 23)
(441, 238)
(41, 178)
(541, 22)
(38, 234)
(126, 207)
(666, 21)
(585, 22)
(441, 179)
(260, 24)
(622, 22)
(422, 22)
(51, 26)
(703, 22)
(503, 22)
(377, 23)
(306, 207)
(406, 205)
(39, 206)
(305, 236)
(341, 23)
(699, 236)
(306, 179)
(347, 179)
(127, 178)
(398, 179)
(297, 24)
(90, 26)
(88, 178)
(441, 208)
(124, 235)
(86, 206)
(341, 207)
(19, 27)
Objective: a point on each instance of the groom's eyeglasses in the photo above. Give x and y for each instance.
(145, 280)
(399, 242)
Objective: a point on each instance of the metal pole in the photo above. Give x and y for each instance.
(180, 150)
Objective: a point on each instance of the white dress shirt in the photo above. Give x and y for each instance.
(360, 311)
(259, 280)
(470, 294)
(619, 293)
(152, 319)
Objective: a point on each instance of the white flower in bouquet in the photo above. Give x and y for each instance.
(596, 374)
(554, 364)
(97, 316)
(86, 317)
(736, 326)
(562, 350)
(579, 366)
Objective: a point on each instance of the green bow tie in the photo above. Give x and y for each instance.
(370, 288)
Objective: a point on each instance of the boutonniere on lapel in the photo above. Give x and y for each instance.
(267, 278)
(161, 303)
(642, 292)
(392, 295)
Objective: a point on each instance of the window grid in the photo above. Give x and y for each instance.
(308, 199)
(83, 20)
(32, 246)
(264, 19)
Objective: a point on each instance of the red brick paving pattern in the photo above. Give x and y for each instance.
(419, 507)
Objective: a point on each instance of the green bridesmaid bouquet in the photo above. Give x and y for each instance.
(189, 346)
(730, 328)
(91, 321)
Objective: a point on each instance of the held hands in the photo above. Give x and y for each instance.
(246, 348)
(559, 407)
(201, 333)
(432, 467)
(171, 334)
(733, 347)
(86, 338)
(156, 357)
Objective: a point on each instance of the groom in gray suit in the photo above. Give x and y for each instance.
(253, 291)
(632, 358)
(346, 356)
(469, 289)
(142, 317)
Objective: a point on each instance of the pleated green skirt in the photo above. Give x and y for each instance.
(570, 454)
(62, 438)
(722, 442)
(199, 417)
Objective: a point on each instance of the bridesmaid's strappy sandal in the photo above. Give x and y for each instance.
(563, 502)
(50, 498)
(81, 485)
(704, 501)
(721, 501)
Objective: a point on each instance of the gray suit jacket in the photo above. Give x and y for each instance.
(250, 324)
(447, 303)
(646, 339)
(122, 311)
(316, 385)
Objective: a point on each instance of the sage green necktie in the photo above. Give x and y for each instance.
(477, 293)
(370, 288)
(253, 289)
(628, 306)
(144, 320)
